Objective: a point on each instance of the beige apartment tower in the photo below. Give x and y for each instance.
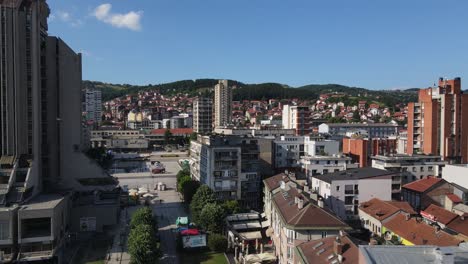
(203, 115)
(222, 104)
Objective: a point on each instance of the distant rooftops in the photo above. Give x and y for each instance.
(381, 210)
(353, 174)
(361, 125)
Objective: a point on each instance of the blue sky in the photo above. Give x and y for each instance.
(365, 43)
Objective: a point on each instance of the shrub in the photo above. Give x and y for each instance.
(143, 216)
(217, 243)
(142, 245)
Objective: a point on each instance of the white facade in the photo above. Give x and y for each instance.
(202, 115)
(313, 165)
(343, 196)
(321, 147)
(415, 167)
(457, 174)
(93, 105)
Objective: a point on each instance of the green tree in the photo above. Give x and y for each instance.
(232, 207)
(167, 136)
(183, 180)
(212, 217)
(193, 136)
(142, 245)
(143, 216)
(189, 189)
(356, 116)
(217, 242)
(202, 197)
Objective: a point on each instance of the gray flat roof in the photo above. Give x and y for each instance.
(405, 157)
(43, 201)
(353, 174)
(326, 157)
(413, 254)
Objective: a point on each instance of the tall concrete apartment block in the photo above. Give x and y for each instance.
(222, 104)
(203, 115)
(41, 163)
(438, 122)
(298, 118)
(93, 106)
(230, 166)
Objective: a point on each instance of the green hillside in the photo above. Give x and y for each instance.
(259, 91)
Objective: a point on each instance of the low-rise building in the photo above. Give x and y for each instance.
(294, 218)
(414, 167)
(343, 191)
(435, 215)
(374, 211)
(361, 148)
(403, 229)
(313, 165)
(422, 193)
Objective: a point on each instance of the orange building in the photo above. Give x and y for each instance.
(438, 122)
(359, 149)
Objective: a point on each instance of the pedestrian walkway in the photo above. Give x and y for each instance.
(118, 253)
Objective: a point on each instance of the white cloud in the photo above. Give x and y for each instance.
(130, 20)
(66, 17)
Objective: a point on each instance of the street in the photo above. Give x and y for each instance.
(168, 210)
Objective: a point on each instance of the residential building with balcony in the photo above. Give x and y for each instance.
(438, 122)
(229, 165)
(298, 118)
(294, 218)
(374, 130)
(343, 191)
(203, 115)
(222, 104)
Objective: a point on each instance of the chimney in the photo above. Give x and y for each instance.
(462, 217)
(407, 217)
(306, 188)
(340, 258)
(337, 246)
(436, 228)
(300, 203)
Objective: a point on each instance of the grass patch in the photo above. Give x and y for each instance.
(96, 262)
(203, 257)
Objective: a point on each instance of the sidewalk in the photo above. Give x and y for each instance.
(118, 252)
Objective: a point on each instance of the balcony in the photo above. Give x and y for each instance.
(234, 157)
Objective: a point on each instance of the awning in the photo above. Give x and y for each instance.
(250, 235)
(244, 226)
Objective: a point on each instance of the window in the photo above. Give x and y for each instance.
(348, 200)
(325, 171)
(430, 168)
(337, 188)
(349, 189)
(290, 252)
(422, 168)
(4, 230)
(414, 169)
(324, 234)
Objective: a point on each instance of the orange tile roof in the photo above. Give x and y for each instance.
(404, 206)
(319, 251)
(419, 233)
(440, 214)
(423, 184)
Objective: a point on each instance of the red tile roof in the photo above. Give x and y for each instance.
(459, 225)
(419, 233)
(404, 206)
(440, 214)
(174, 131)
(423, 184)
(275, 181)
(319, 251)
(454, 198)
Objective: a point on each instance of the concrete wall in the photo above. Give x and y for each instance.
(457, 174)
(106, 215)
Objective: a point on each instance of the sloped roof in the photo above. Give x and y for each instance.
(423, 184)
(275, 181)
(321, 251)
(419, 233)
(310, 216)
(381, 210)
(441, 215)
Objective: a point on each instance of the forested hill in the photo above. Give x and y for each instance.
(257, 91)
